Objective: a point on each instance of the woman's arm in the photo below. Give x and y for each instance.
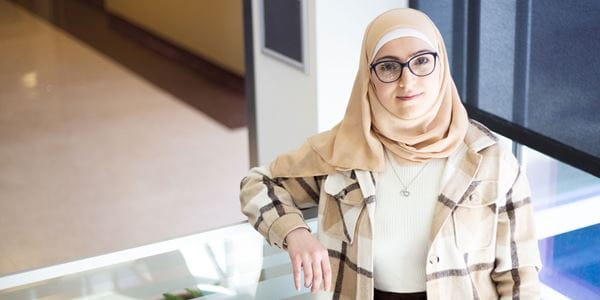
(273, 205)
(517, 254)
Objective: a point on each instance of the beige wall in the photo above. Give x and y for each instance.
(212, 29)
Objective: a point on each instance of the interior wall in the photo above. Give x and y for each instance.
(285, 97)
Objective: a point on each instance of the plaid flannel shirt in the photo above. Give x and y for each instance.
(482, 244)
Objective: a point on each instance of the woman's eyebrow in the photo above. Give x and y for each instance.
(397, 58)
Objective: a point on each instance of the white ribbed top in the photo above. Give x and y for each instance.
(402, 225)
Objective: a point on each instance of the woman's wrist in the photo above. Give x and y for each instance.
(292, 235)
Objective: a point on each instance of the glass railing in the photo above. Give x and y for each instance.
(233, 262)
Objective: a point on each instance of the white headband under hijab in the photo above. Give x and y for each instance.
(401, 32)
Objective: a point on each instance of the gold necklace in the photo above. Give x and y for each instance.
(404, 191)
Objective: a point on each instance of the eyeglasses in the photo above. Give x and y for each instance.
(391, 70)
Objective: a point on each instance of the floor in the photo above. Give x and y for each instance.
(95, 157)
(90, 25)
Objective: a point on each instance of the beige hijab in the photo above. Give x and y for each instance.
(358, 141)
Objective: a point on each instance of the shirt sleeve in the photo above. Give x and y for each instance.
(273, 205)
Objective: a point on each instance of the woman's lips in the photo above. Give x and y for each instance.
(409, 97)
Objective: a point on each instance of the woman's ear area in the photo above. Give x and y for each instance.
(372, 79)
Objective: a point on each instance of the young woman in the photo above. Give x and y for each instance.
(415, 200)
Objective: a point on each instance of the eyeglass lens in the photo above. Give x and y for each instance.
(389, 71)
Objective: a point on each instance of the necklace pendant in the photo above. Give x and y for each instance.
(405, 193)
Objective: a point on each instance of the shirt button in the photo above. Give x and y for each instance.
(473, 197)
(434, 259)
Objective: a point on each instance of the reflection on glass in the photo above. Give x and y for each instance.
(567, 210)
(234, 264)
(572, 264)
(555, 183)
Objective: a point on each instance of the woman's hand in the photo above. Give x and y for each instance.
(308, 253)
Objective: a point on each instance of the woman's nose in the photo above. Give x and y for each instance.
(406, 78)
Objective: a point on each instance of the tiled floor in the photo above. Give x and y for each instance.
(91, 26)
(95, 158)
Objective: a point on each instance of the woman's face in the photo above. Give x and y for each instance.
(425, 89)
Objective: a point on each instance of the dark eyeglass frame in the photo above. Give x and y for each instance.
(406, 64)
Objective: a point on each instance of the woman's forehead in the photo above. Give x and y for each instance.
(402, 48)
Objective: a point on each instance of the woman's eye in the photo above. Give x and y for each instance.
(388, 66)
(422, 60)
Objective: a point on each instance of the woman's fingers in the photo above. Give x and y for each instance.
(308, 272)
(326, 267)
(317, 275)
(311, 259)
(297, 269)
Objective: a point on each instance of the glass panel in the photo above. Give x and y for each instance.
(496, 58)
(571, 263)
(564, 68)
(555, 183)
(566, 203)
(231, 263)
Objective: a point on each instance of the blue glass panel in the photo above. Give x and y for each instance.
(571, 263)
